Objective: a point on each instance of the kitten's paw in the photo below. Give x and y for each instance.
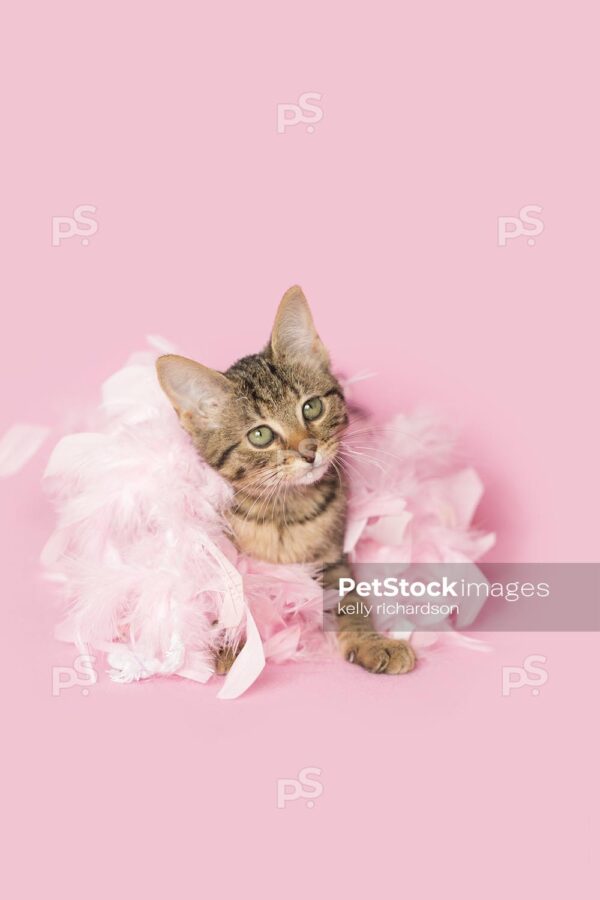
(225, 658)
(378, 654)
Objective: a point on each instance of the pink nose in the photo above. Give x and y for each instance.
(308, 454)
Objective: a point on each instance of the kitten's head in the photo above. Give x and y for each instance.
(273, 419)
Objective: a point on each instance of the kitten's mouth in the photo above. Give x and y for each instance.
(312, 474)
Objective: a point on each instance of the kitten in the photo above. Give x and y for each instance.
(272, 425)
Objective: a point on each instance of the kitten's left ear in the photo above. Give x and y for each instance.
(294, 336)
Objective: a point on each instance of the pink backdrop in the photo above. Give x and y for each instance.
(437, 119)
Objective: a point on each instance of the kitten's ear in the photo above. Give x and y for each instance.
(197, 393)
(294, 336)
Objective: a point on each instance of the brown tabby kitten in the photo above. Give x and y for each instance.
(272, 426)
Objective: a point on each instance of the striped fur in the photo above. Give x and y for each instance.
(290, 497)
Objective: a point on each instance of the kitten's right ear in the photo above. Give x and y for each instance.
(196, 392)
(294, 336)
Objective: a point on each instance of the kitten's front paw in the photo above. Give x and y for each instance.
(225, 658)
(376, 653)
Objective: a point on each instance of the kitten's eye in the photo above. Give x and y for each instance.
(261, 436)
(312, 409)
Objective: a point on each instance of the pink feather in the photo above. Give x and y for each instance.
(18, 445)
(148, 572)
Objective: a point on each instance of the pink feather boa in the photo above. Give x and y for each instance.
(149, 573)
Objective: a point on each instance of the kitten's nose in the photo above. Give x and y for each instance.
(305, 447)
(308, 454)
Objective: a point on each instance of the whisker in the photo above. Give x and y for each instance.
(284, 503)
(364, 456)
(261, 494)
(253, 482)
(352, 467)
(265, 505)
(380, 450)
(337, 471)
(381, 429)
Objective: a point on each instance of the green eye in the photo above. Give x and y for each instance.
(261, 436)
(312, 409)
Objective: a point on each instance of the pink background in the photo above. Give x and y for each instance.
(438, 119)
